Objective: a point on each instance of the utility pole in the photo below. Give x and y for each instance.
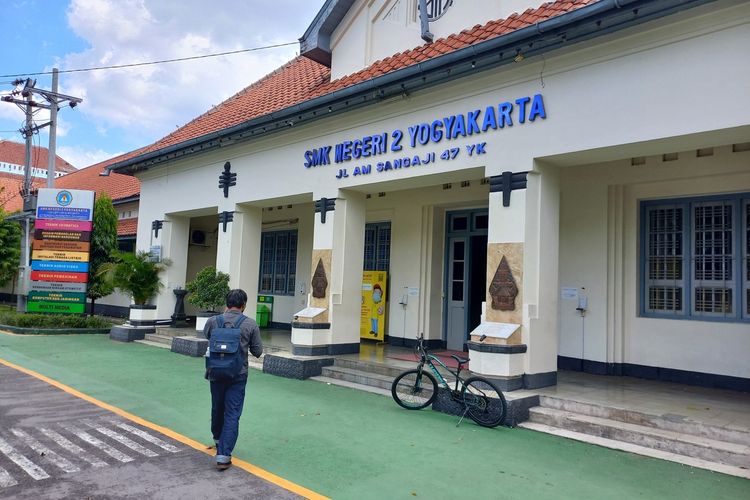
(27, 105)
(52, 154)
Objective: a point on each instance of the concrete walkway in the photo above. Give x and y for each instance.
(344, 443)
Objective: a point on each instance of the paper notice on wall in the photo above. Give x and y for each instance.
(569, 293)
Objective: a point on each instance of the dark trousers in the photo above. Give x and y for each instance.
(227, 398)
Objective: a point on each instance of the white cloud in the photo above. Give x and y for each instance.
(81, 158)
(153, 100)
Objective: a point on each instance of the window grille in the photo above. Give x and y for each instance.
(696, 258)
(278, 262)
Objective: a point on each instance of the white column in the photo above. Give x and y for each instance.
(173, 238)
(520, 347)
(541, 280)
(337, 258)
(238, 252)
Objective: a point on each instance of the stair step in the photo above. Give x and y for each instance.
(366, 366)
(637, 449)
(159, 339)
(381, 369)
(352, 385)
(153, 344)
(676, 423)
(670, 441)
(357, 376)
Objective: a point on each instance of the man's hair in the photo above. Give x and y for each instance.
(236, 298)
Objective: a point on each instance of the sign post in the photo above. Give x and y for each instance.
(60, 251)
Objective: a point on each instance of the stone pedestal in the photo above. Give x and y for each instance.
(127, 333)
(142, 315)
(189, 346)
(179, 318)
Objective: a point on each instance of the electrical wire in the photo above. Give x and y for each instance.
(163, 61)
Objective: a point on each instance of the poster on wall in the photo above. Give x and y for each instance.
(60, 251)
(372, 319)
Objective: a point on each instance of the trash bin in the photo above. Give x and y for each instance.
(262, 313)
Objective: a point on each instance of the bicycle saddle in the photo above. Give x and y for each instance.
(460, 361)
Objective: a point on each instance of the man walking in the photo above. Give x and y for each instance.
(228, 394)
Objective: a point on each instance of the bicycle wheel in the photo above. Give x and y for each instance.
(414, 389)
(485, 403)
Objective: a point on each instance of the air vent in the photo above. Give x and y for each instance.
(198, 237)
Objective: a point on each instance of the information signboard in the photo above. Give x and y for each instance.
(61, 248)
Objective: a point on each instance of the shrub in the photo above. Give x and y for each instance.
(209, 289)
(52, 321)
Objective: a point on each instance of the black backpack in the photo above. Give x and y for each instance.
(224, 361)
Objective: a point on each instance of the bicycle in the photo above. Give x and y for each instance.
(416, 389)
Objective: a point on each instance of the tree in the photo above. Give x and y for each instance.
(135, 275)
(10, 248)
(103, 244)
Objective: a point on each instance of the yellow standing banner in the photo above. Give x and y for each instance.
(372, 319)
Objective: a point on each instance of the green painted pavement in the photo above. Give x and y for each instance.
(348, 444)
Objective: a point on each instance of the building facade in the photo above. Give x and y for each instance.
(567, 187)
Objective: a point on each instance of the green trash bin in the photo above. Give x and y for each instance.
(262, 314)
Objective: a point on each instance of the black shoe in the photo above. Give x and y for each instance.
(223, 466)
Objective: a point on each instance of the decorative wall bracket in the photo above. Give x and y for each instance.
(503, 289)
(227, 179)
(323, 206)
(156, 226)
(224, 219)
(319, 281)
(507, 182)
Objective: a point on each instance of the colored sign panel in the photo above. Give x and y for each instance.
(59, 276)
(54, 265)
(68, 297)
(43, 234)
(62, 245)
(372, 318)
(58, 255)
(63, 225)
(66, 213)
(48, 286)
(55, 307)
(67, 204)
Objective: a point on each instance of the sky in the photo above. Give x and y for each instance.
(124, 109)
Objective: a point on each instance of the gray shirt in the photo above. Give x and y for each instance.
(249, 335)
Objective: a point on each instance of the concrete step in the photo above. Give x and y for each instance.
(639, 450)
(352, 385)
(152, 344)
(369, 367)
(675, 423)
(159, 339)
(359, 377)
(390, 371)
(712, 450)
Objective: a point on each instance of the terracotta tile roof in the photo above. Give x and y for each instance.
(127, 227)
(10, 190)
(15, 153)
(302, 79)
(117, 186)
(287, 85)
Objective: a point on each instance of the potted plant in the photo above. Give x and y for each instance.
(137, 275)
(208, 290)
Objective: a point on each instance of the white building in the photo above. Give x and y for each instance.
(582, 168)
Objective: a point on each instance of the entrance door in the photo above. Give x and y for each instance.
(466, 274)
(456, 293)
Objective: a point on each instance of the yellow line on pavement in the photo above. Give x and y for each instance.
(246, 466)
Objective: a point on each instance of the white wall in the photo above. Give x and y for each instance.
(586, 238)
